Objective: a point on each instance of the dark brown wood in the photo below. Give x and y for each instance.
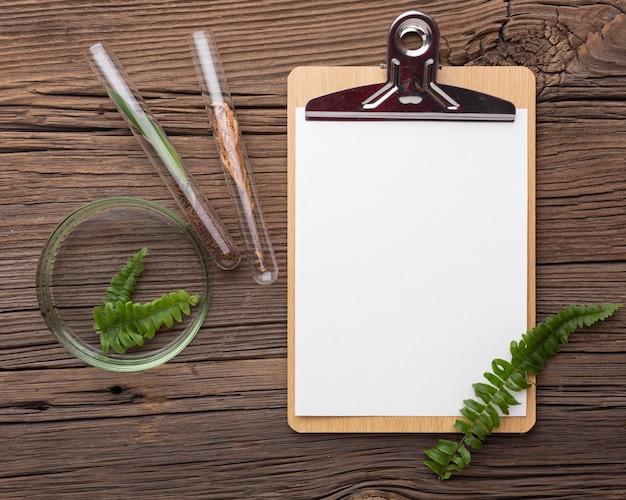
(212, 422)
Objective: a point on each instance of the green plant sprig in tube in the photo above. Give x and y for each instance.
(155, 136)
(168, 163)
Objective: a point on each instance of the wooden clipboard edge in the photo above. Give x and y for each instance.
(516, 84)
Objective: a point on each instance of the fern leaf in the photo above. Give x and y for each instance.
(124, 282)
(122, 325)
(529, 355)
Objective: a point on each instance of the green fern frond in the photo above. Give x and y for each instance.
(124, 282)
(493, 398)
(122, 325)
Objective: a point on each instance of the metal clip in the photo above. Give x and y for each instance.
(411, 91)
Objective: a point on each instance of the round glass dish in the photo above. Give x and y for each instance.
(88, 248)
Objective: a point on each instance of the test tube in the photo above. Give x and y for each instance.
(234, 159)
(197, 209)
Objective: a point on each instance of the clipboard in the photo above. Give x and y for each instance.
(320, 315)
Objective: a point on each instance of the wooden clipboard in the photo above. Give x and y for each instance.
(515, 84)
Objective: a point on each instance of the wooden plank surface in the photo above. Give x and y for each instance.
(513, 83)
(213, 422)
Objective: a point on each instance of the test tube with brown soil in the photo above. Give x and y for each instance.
(234, 159)
(197, 209)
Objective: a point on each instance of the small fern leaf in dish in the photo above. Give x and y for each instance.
(122, 325)
(124, 282)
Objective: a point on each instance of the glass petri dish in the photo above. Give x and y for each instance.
(89, 247)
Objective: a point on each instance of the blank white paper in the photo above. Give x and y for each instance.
(410, 262)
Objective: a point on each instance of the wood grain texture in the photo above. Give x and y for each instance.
(213, 422)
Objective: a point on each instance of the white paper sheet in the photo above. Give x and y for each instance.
(410, 262)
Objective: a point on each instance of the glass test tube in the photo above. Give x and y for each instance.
(234, 159)
(197, 209)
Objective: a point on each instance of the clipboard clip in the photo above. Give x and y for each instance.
(411, 91)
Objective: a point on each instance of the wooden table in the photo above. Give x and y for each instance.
(212, 423)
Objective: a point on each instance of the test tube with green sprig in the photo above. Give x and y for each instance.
(169, 165)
